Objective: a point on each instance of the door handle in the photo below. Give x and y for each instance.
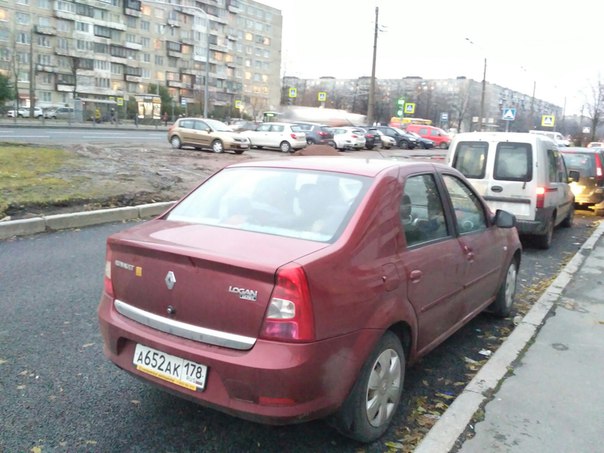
(415, 276)
(497, 189)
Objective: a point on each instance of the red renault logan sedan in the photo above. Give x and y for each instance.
(290, 290)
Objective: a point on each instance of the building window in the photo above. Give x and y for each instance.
(44, 59)
(82, 26)
(64, 25)
(23, 38)
(145, 25)
(46, 96)
(43, 41)
(23, 18)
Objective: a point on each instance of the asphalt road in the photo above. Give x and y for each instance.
(59, 393)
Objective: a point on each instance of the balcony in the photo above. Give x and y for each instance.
(46, 68)
(42, 30)
(133, 46)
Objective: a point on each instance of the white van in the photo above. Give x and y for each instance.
(557, 137)
(522, 173)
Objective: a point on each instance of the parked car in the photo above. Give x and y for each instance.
(422, 142)
(206, 133)
(385, 141)
(24, 112)
(403, 141)
(290, 290)
(595, 145)
(317, 134)
(522, 173)
(349, 138)
(586, 168)
(440, 138)
(556, 137)
(287, 137)
(371, 138)
(59, 113)
(243, 125)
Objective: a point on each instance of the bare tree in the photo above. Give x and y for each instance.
(595, 107)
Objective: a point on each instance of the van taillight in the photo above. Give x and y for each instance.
(599, 172)
(540, 197)
(107, 282)
(289, 316)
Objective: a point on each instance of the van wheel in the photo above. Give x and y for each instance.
(505, 296)
(374, 398)
(568, 220)
(544, 241)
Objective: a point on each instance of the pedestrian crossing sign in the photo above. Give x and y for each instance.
(509, 114)
(548, 120)
(322, 96)
(293, 92)
(410, 107)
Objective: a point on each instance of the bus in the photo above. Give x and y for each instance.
(396, 121)
(330, 117)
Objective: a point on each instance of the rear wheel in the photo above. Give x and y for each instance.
(443, 145)
(285, 147)
(175, 142)
(403, 145)
(502, 306)
(570, 217)
(368, 410)
(544, 241)
(217, 146)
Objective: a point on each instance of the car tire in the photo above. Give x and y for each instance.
(502, 306)
(310, 141)
(544, 241)
(176, 142)
(443, 145)
(375, 396)
(569, 219)
(403, 145)
(238, 151)
(285, 147)
(218, 146)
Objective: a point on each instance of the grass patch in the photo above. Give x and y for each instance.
(31, 175)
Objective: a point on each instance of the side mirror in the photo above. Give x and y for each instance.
(573, 176)
(504, 219)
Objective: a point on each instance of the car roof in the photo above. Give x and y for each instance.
(340, 164)
(579, 149)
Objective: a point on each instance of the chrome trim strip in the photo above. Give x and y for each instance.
(184, 330)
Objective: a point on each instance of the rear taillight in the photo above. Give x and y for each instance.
(599, 172)
(368, 135)
(107, 283)
(354, 136)
(293, 136)
(540, 197)
(323, 134)
(290, 315)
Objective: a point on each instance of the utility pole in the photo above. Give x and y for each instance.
(371, 102)
(32, 75)
(484, 88)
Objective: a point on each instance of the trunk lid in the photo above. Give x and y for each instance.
(220, 278)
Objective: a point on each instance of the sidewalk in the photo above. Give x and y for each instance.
(547, 378)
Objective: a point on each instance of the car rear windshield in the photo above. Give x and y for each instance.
(471, 159)
(513, 162)
(313, 205)
(584, 162)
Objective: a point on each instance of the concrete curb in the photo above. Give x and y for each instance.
(26, 227)
(445, 432)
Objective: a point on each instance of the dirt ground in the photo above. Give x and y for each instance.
(132, 175)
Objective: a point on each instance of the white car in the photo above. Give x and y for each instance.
(349, 137)
(287, 137)
(23, 112)
(386, 141)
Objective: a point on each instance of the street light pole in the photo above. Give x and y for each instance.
(484, 87)
(371, 101)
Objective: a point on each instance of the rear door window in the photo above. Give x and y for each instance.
(582, 162)
(471, 159)
(513, 162)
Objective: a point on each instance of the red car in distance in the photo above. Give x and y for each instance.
(291, 290)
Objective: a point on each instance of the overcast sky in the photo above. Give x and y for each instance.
(556, 45)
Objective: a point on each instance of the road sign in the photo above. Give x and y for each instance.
(293, 92)
(409, 107)
(322, 96)
(183, 102)
(509, 114)
(238, 104)
(400, 102)
(444, 116)
(120, 101)
(548, 120)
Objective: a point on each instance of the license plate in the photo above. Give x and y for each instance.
(170, 368)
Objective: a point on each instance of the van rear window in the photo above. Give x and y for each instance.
(513, 162)
(471, 159)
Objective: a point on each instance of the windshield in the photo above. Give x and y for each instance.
(303, 204)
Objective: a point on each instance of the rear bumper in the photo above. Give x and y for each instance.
(536, 226)
(273, 383)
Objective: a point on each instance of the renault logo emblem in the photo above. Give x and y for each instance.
(170, 280)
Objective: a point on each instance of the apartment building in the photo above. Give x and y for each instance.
(66, 52)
